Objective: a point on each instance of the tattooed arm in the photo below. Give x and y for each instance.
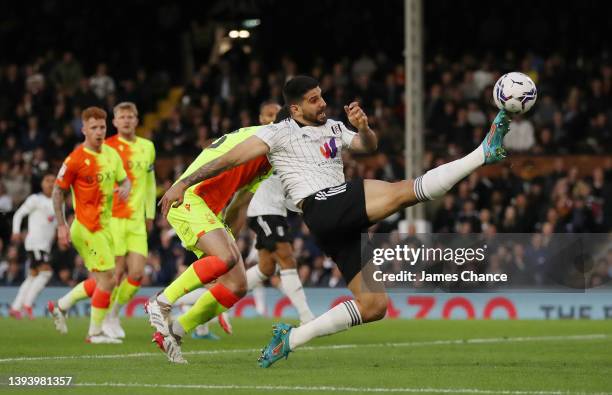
(59, 202)
(249, 149)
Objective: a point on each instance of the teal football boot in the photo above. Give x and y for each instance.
(278, 347)
(493, 142)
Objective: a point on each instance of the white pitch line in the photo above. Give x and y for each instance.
(336, 389)
(491, 340)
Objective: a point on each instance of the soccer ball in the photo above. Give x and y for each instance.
(515, 92)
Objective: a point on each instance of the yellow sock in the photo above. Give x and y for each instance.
(185, 283)
(126, 291)
(214, 302)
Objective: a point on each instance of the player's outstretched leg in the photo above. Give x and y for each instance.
(59, 309)
(369, 305)
(384, 198)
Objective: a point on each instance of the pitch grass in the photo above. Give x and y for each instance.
(543, 361)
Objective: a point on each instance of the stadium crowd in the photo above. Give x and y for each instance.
(40, 124)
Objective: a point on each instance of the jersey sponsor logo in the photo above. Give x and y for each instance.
(100, 177)
(336, 129)
(137, 164)
(329, 150)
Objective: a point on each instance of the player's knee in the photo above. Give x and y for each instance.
(236, 285)
(231, 258)
(267, 269)
(285, 257)
(374, 307)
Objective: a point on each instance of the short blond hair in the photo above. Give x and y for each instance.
(125, 105)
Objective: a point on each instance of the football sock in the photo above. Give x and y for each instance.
(339, 318)
(292, 287)
(436, 182)
(123, 294)
(255, 277)
(199, 273)
(23, 289)
(191, 297)
(212, 303)
(259, 296)
(99, 307)
(84, 289)
(37, 285)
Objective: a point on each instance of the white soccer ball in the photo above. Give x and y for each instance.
(515, 92)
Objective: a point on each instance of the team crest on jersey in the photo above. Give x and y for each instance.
(87, 162)
(336, 129)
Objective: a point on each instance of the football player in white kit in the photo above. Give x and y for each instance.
(306, 152)
(38, 208)
(267, 217)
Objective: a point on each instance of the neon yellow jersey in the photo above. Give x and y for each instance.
(218, 191)
(138, 159)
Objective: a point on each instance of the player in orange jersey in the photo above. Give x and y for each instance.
(91, 172)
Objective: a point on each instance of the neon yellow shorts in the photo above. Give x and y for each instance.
(96, 248)
(192, 219)
(129, 236)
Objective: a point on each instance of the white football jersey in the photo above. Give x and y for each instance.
(269, 199)
(306, 158)
(41, 222)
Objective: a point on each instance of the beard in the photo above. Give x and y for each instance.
(316, 118)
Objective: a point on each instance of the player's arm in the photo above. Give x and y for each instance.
(151, 194)
(65, 178)
(59, 203)
(365, 141)
(249, 149)
(235, 213)
(23, 211)
(124, 185)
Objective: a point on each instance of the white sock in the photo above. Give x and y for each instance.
(114, 310)
(94, 329)
(255, 277)
(21, 293)
(259, 295)
(202, 330)
(65, 303)
(178, 329)
(189, 298)
(339, 318)
(436, 182)
(292, 287)
(37, 285)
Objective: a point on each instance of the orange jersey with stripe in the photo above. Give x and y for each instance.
(218, 191)
(92, 176)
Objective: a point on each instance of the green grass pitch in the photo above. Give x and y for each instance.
(392, 356)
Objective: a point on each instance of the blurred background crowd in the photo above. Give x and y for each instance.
(42, 95)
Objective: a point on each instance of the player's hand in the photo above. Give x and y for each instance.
(149, 224)
(173, 197)
(123, 191)
(356, 116)
(63, 236)
(16, 238)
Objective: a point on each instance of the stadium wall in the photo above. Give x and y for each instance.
(528, 305)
